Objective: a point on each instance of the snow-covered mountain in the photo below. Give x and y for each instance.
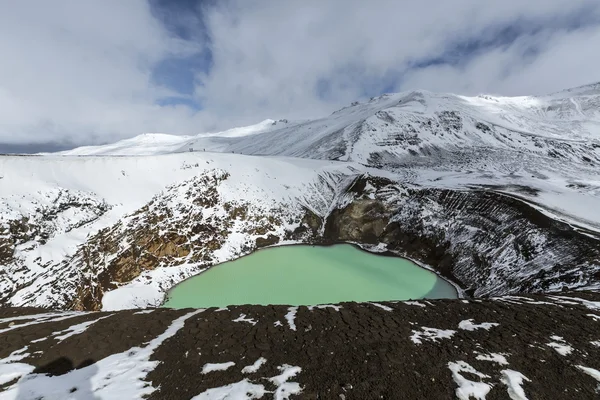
(499, 195)
(161, 143)
(411, 127)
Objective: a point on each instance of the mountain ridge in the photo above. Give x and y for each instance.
(397, 128)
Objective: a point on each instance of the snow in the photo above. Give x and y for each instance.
(290, 316)
(594, 373)
(119, 375)
(210, 367)
(592, 305)
(160, 143)
(75, 329)
(39, 319)
(287, 372)
(414, 303)
(430, 334)
(241, 390)
(560, 346)
(468, 389)
(250, 369)
(386, 308)
(242, 318)
(10, 369)
(324, 306)
(493, 357)
(514, 380)
(134, 295)
(285, 388)
(468, 325)
(245, 389)
(594, 317)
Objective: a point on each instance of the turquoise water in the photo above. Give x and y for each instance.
(308, 275)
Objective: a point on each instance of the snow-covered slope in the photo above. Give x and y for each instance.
(161, 143)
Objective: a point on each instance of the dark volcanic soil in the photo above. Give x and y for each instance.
(351, 351)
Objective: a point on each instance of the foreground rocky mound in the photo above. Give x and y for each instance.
(536, 347)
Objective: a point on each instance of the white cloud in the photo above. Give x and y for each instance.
(271, 55)
(564, 60)
(78, 69)
(81, 68)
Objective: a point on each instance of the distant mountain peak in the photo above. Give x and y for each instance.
(584, 90)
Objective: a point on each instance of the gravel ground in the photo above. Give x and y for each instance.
(540, 347)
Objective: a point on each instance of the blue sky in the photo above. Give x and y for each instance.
(89, 71)
(182, 19)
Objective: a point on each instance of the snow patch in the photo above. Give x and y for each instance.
(468, 325)
(211, 367)
(134, 295)
(242, 318)
(250, 369)
(514, 380)
(594, 317)
(466, 388)
(291, 316)
(324, 306)
(38, 319)
(493, 357)
(10, 369)
(75, 329)
(560, 346)
(415, 303)
(592, 305)
(594, 373)
(245, 389)
(284, 388)
(386, 308)
(431, 334)
(241, 390)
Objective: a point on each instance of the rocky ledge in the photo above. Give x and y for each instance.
(535, 346)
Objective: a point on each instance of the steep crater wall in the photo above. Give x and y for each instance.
(489, 243)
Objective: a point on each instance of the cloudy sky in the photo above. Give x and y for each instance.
(95, 71)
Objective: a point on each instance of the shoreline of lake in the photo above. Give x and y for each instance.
(343, 272)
